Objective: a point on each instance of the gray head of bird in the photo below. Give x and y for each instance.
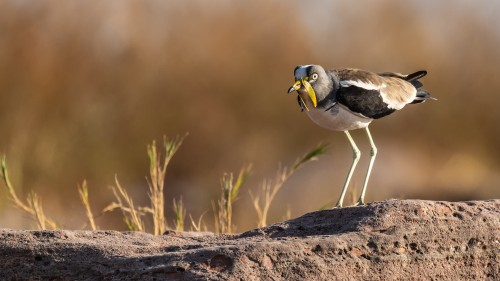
(311, 81)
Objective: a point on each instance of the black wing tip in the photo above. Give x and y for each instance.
(422, 100)
(416, 75)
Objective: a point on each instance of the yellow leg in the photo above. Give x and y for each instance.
(356, 156)
(373, 154)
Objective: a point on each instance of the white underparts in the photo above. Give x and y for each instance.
(338, 118)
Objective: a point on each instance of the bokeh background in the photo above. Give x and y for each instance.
(85, 86)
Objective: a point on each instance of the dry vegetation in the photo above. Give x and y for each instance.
(33, 205)
(133, 215)
(83, 191)
(263, 201)
(230, 188)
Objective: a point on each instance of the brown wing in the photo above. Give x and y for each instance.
(391, 88)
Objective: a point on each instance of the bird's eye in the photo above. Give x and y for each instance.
(314, 76)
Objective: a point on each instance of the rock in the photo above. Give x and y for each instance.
(389, 240)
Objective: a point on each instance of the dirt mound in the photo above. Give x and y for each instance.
(394, 239)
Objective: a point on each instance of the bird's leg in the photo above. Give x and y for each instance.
(373, 154)
(356, 156)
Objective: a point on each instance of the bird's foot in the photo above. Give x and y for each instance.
(360, 202)
(338, 205)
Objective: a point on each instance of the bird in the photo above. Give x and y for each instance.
(346, 99)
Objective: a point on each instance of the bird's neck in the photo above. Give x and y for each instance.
(327, 95)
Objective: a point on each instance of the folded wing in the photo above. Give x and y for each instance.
(376, 95)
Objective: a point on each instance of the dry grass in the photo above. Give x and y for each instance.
(180, 214)
(34, 203)
(270, 188)
(131, 214)
(199, 225)
(156, 180)
(288, 214)
(83, 191)
(230, 188)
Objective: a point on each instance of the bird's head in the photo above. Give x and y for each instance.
(309, 80)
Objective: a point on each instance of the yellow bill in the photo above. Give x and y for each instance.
(310, 91)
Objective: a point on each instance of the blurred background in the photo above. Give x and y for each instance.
(85, 86)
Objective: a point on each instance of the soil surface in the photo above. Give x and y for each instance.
(389, 240)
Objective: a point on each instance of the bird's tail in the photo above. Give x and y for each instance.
(422, 95)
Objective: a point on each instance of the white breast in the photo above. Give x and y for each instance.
(338, 118)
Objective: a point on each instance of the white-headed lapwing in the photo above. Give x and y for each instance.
(348, 99)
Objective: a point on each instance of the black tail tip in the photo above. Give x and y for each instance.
(422, 96)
